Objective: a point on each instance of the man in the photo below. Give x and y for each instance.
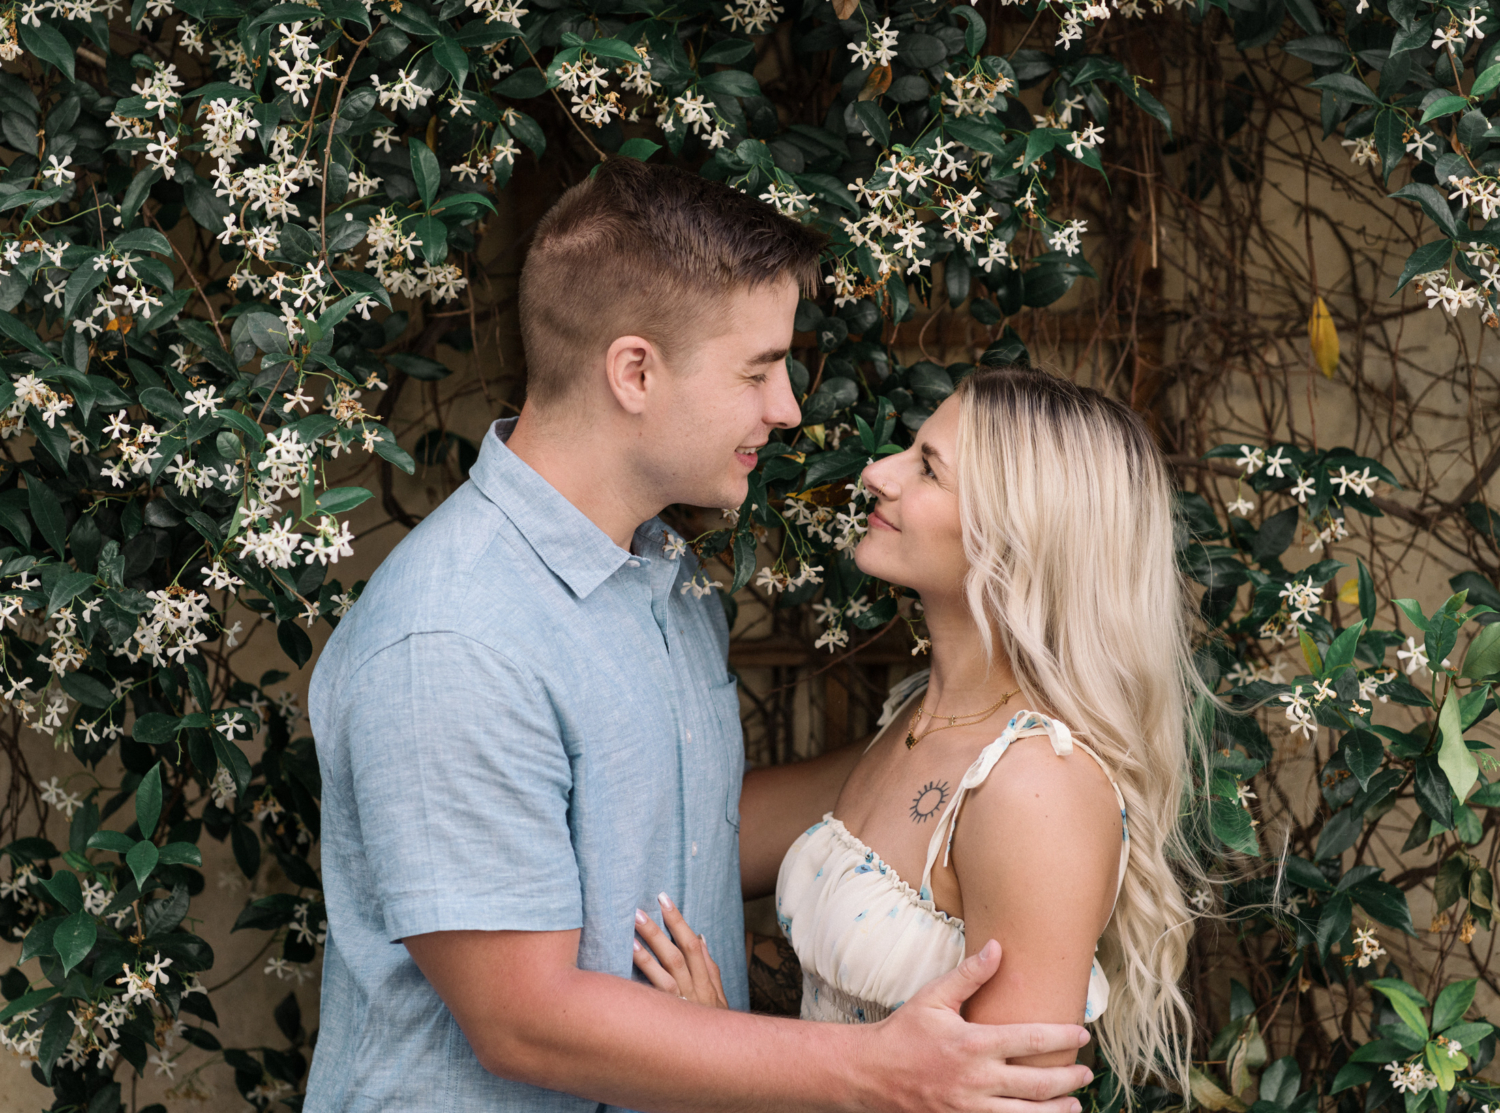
(527, 731)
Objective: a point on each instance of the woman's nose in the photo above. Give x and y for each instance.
(877, 482)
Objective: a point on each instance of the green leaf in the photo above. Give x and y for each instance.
(1341, 652)
(27, 1001)
(1444, 106)
(1353, 1074)
(432, 234)
(112, 841)
(387, 448)
(1366, 594)
(725, 53)
(876, 122)
(425, 170)
(142, 860)
(1385, 903)
(1364, 753)
(1452, 1003)
(64, 889)
(340, 500)
(734, 83)
(48, 44)
(82, 280)
(180, 854)
(1231, 823)
(148, 801)
(744, 559)
(453, 58)
(56, 1032)
(1333, 922)
(74, 939)
(1454, 758)
(66, 589)
(47, 513)
(523, 85)
(641, 149)
(1400, 997)
(1379, 1051)
(246, 425)
(1433, 791)
(1486, 82)
(1346, 87)
(1413, 611)
(1482, 658)
(23, 335)
(231, 757)
(155, 729)
(1435, 205)
(1469, 1034)
(974, 28)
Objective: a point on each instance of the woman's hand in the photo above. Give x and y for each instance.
(683, 967)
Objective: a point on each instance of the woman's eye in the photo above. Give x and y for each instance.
(927, 470)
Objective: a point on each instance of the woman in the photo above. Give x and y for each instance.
(1026, 789)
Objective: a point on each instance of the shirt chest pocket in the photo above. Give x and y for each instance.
(730, 745)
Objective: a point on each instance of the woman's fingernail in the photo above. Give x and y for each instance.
(640, 917)
(1088, 1076)
(1083, 1036)
(636, 943)
(1077, 1108)
(665, 901)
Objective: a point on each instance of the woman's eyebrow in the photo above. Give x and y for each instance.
(930, 454)
(770, 355)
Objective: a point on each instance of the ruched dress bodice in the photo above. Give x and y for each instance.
(865, 938)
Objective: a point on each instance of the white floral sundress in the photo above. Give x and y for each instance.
(865, 938)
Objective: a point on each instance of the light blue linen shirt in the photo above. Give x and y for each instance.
(520, 726)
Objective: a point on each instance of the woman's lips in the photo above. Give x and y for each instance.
(877, 522)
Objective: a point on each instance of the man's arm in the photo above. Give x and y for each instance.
(779, 803)
(531, 1015)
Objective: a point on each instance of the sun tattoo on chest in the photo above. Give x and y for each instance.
(933, 796)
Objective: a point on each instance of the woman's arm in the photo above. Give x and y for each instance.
(781, 802)
(1036, 856)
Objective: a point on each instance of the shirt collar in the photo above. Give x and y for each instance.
(576, 550)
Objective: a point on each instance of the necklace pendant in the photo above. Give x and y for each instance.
(910, 740)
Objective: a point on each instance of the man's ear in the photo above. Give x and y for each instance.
(628, 363)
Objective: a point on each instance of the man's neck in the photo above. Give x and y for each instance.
(584, 471)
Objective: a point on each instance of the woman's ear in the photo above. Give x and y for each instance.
(628, 363)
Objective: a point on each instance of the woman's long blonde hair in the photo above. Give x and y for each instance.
(1070, 533)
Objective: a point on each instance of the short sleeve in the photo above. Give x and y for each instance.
(461, 784)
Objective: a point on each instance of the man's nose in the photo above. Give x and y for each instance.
(782, 410)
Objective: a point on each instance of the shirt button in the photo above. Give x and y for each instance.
(634, 563)
(689, 734)
(695, 850)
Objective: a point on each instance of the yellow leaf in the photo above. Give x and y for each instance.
(1324, 338)
(878, 82)
(1207, 1093)
(1349, 593)
(816, 433)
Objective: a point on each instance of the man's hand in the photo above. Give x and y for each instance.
(934, 1059)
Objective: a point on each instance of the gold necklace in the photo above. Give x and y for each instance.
(912, 737)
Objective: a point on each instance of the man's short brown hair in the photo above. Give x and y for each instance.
(648, 251)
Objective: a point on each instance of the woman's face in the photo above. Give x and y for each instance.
(914, 537)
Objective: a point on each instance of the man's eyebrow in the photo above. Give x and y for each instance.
(770, 355)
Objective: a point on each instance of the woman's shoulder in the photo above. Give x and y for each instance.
(1034, 792)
